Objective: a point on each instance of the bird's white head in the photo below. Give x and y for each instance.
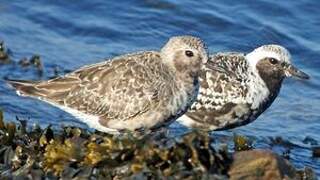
(274, 61)
(268, 51)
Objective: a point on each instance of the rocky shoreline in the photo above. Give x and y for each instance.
(35, 153)
(74, 153)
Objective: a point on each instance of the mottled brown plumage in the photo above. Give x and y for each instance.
(144, 90)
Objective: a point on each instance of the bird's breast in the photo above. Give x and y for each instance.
(184, 97)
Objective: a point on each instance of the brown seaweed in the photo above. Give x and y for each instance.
(242, 143)
(77, 153)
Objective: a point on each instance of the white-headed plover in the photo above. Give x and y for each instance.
(144, 90)
(236, 88)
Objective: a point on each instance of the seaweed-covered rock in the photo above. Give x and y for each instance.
(242, 143)
(306, 174)
(260, 164)
(74, 153)
(77, 153)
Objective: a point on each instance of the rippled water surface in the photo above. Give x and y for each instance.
(70, 34)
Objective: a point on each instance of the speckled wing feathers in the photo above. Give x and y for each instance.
(222, 89)
(118, 90)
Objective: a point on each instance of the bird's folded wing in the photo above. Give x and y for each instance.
(222, 85)
(119, 89)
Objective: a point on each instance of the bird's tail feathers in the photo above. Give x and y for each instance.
(24, 88)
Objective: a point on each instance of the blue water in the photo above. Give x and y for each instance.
(70, 34)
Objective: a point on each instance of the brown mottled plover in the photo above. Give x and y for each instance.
(144, 90)
(236, 88)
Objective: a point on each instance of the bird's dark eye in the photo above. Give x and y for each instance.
(273, 61)
(189, 53)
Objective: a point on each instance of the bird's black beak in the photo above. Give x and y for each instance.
(295, 72)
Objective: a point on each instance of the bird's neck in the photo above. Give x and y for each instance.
(263, 89)
(273, 83)
(258, 92)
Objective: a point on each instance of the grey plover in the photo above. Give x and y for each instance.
(144, 90)
(236, 88)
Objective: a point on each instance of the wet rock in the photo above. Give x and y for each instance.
(2, 125)
(280, 142)
(4, 57)
(306, 174)
(286, 154)
(75, 153)
(260, 164)
(34, 61)
(24, 62)
(22, 126)
(316, 151)
(310, 140)
(9, 133)
(242, 143)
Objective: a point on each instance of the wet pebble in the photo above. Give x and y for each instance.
(307, 174)
(286, 154)
(4, 56)
(242, 143)
(34, 61)
(316, 151)
(24, 62)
